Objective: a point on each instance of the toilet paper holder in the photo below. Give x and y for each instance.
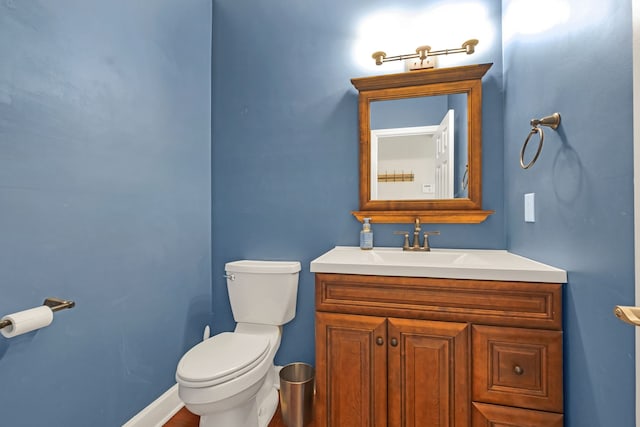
(55, 304)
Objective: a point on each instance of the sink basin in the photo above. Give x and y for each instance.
(392, 256)
(476, 264)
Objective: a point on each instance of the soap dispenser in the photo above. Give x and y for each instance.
(366, 235)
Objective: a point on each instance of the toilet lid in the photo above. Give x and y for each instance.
(222, 357)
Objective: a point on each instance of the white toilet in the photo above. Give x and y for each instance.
(230, 379)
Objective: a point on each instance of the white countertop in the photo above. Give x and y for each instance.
(479, 264)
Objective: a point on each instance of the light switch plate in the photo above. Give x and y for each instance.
(529, 207)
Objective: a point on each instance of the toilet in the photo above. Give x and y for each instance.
(230, 379)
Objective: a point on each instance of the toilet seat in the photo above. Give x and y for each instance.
(221, 358)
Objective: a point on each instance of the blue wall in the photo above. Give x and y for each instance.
(583, 185)
(285, 142)
(108, 195)
(461, 146)
(408, 112)
(105, 199)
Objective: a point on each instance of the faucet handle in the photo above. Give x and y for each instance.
(405, 245)
(426, 238)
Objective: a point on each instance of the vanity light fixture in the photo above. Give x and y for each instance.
(423, 52)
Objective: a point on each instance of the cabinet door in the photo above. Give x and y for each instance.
(503, 416)
(351, 371)
(428, 373)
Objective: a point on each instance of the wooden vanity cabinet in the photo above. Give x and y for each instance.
(404, 351)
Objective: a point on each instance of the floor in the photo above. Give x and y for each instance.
(184, 418)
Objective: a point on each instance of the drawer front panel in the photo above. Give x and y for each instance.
(534, 305)
(517, 367)
(503, 416)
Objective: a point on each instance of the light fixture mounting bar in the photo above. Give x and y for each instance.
(423, 52)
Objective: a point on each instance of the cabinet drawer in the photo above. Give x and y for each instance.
(517, 367)
(515, 304)
(492, 415)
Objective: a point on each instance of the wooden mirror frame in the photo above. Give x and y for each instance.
(438, 81)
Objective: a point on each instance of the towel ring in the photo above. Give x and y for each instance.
(465, 178)
(552, 121)
(534, 130)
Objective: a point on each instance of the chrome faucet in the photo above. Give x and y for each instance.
(406, 246)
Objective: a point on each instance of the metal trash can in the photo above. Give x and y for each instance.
(296, 394)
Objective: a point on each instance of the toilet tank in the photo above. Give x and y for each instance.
(263, 292)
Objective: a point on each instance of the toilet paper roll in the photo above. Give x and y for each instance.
(27, 321)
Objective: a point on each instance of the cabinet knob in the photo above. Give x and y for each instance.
(379, 341)
(518, 370)
(394, 342)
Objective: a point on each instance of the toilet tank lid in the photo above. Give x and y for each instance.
(262, 267)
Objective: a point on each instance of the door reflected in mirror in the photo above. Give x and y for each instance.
(419, 148)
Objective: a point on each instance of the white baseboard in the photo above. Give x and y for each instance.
(159, 411)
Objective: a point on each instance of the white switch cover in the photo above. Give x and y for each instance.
(529, 207)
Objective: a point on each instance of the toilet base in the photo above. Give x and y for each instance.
(245, 415)
(238, 412)
(240, 416)
(268, 408)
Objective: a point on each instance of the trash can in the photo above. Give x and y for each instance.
(296, 394)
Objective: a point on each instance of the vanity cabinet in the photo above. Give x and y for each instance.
(407, 351)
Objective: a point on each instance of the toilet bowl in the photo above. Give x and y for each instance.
(230, 379)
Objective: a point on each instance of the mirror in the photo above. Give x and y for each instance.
(420, 146)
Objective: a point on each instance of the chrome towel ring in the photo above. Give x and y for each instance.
(552, 121)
